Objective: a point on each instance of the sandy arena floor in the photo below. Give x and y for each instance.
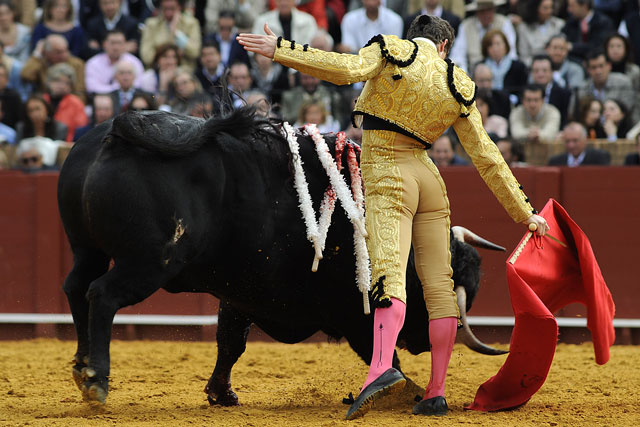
(160, 384)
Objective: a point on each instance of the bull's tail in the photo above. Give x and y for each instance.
(174, 135)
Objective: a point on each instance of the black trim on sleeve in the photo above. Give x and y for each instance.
(279, 42)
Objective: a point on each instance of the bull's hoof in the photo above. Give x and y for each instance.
(94, 389)
(77, 374)
(228, 398)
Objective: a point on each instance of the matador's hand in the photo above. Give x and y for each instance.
(263, 44)
(541, 226)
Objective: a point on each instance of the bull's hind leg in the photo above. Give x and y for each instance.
(233, 328)
(88, 265)
(126, 284)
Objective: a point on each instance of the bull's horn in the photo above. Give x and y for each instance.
(464, 235)
(466, 335)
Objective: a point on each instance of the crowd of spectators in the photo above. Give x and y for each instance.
(546, 70)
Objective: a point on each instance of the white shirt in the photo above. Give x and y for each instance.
(357, 28)
(575, 161)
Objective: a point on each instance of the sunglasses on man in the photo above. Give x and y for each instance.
(28, 160)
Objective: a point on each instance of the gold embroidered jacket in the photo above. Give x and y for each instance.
(409, 85)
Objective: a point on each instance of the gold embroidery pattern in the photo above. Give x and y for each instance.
(383, 187)
(491, 166)
(420, 103)
(424, 158)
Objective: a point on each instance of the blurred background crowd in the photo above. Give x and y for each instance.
(562, 74)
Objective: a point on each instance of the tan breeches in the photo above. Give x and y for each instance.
(406, 201)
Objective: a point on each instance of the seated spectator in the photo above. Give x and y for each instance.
(443, 152)
(538, 26)
(58, 18)
(100, 69)
(270, 77)
(534, 121)
(138, 10)
(499, 103)
(11, 100)
(316, 8)
(142, 101)
(37, 154)
(189, 95)
(15, 36)
(39, 121)
(125, 76)
(554, 94)
(163, 69)
(629, 26)
(102, 110)
(314, 111)
(495, 124)
(239, 81)
(287, 21)
(54, 50)
(68, 108)
(604, 84)
(7, 133)
(310, 89)
(111, 18)
(509, 74)
(467, 49)
(567, 73)
(577, 153)
(230, 49)
(618, 51)
(211, 69)
(433, 8)
(13, 67)
(616, 119)
(512, 152)
(245, 12)
(259, 99)
(586, 28)
(633, 159)
(360, 25)
(589, 114)
(171, 25)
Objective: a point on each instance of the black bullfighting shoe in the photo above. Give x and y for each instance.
(391, 381)
(434, 406)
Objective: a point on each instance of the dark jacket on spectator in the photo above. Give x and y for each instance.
(600, 27)
(560, 98)
(632, 159)
(96, 30)
(593, 156)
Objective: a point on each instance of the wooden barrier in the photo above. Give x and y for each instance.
(604, 201)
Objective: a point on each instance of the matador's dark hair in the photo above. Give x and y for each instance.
(433, 28)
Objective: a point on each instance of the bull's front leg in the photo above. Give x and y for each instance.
(88, 265)
(233, 329)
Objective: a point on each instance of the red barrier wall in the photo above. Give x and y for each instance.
(605, 202)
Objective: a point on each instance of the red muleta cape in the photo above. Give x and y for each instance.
(543, 278)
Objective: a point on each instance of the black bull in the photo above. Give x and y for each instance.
(189, 205)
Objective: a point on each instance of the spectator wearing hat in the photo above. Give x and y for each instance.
(467, 49)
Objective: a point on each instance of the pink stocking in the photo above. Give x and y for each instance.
(442, 334)
(386, 325)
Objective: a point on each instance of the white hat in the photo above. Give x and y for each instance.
(483, 4)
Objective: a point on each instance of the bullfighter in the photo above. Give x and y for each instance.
(413, 93)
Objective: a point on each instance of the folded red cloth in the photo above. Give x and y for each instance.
(543, 278)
